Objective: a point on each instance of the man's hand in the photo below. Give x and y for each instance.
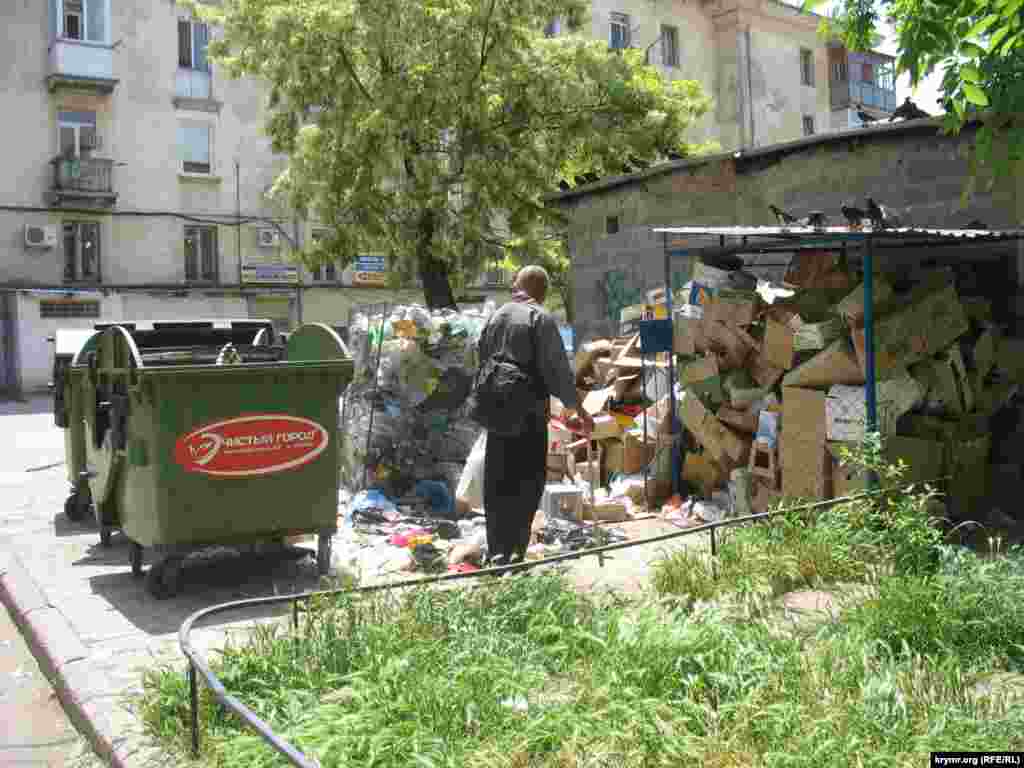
(581, 422)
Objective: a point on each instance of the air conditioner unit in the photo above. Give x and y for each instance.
(40, 237)
(268, 237)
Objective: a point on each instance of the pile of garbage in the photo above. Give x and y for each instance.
(770, 389)
(404, 414)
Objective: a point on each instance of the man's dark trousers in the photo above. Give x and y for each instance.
(515, 471)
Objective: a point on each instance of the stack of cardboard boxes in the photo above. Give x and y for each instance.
(770, 395)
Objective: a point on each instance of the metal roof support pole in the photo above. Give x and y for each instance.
(674, 444)
(870, 401)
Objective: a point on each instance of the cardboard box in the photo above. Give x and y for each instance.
(604, 367)
(742, 421)
(710, 391)
(946, 382)
(733, 307)
(605, 512)
(837, 364)
(722, 445)
(595, 401)
(852, 307)
(605, 426)
(763, 499)
(627, 387)
(743, 392)
(688, 334)
(817, 269)
(559, 438)
(802, 452)
(587, 354)
(762, 371)
(925, 322)
(846, 411)
(814, 336)
(627, 455)
(701, 472)
(778, 350)
(699, 370)
(730, 343)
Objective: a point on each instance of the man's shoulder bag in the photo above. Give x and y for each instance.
(505, 395)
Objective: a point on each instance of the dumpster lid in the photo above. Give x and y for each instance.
(217, 324)
(69, 340)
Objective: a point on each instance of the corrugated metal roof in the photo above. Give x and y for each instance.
(844, 233)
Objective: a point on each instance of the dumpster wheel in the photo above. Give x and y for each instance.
(163, 579)
(135, 558)
(78, 503)
(323, 553)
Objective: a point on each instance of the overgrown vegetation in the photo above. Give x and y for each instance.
(525, 672)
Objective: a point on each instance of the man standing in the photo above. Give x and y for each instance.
(515, 467)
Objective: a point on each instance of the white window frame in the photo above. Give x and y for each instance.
(212, 144)
(807, 67)
(85, 33)
(69, 121)
(619, 20)
(201, 276)
(670, 53)
(192, 24)
(74, 229)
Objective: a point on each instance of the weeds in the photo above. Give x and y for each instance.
(527, 673)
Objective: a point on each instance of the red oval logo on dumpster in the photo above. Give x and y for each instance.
(260, 444)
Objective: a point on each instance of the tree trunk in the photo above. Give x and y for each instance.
(437, 290)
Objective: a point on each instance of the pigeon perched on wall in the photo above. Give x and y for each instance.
(783, 217)
(816, 220)
(854, 216)
(908, 110)
(865, 117)
(876, 213)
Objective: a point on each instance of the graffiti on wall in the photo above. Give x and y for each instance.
(620, 290)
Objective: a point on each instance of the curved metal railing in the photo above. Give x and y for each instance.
(199, 668)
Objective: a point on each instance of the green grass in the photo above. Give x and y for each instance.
(527, 673)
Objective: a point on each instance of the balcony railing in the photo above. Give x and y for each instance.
(79, 178)
(82, 64)
(859, 92)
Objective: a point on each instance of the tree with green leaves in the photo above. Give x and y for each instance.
(431, 130)
(979, 44)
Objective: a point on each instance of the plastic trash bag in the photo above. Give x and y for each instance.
(471, 484)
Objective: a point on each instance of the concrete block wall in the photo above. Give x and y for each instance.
(919, 175)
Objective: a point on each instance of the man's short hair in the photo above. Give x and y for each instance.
(533, 280)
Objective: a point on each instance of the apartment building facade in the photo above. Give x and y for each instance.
(136, 172)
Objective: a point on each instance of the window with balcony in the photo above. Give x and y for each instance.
(83, 20)
(81, 251)
(618, 36)
(669, 46)
(193, 78)
(195, 148)
(80, 54)
(201, 256)
(77, 135)
(806, 67)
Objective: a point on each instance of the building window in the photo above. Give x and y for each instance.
(885, 77)
(808, 125)
(195, 142)
(611, 225)
(619, 32)
(323, 273)
(81, 251)
(65, 309)
(867, 72)
(806, 66)
(201, 254)
(193, 39)
(669, 46)
(840, 71)
(553, 28)
(77, 133)
(83, 20)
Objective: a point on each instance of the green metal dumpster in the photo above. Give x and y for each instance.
(188, 450)
(72, 347)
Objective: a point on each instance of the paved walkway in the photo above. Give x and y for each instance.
(94, 629)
